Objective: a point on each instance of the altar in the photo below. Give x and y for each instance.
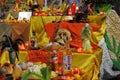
(90, 63)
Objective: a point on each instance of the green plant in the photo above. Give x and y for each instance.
(45, 74)
(112, 46)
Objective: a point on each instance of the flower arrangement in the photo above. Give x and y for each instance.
(44, 74)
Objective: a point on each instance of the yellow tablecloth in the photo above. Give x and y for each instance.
(88, 62)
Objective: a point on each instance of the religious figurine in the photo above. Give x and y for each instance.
(86, 36)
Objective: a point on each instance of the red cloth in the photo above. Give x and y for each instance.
(74, 28)
(43, 56)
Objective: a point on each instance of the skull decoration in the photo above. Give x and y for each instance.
(63, 36)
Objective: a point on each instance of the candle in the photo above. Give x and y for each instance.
(68, 76)
(45, 3)
(76, 71)
(73, 8)
(102, 12)
(17, 1)
(2, 20)
(22, 47)
(60, 71)
(36, 14)
(80, 50)
(69, 11)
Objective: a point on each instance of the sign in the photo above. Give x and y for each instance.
(39, 56)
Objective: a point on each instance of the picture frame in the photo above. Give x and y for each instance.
(22, 15)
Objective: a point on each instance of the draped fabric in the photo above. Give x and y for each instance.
(37, 25)
(75, 29)
(90, 63)
(20, 31)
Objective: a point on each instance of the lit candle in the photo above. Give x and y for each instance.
(22, 47)
(36, 13)
(102, 12)
(27, 43)
(69, 11)
(1, 20)
(68, 76)
(80, 49)
(73, 8)
(60, 71)
(76, 71)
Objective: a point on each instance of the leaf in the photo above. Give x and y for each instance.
(114, 44)
(28, 74)
(118, 51)
(43, 72)
(46, 73)
(116, 64)
(37, 75)
(107, 40)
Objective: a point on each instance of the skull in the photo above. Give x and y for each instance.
(63, 36)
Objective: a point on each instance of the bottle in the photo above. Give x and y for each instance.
(54, 60)
(67, 58)
(33, 40)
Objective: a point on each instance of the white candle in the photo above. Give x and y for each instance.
(45, 3)
(60, 2)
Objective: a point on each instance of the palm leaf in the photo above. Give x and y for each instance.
(107, 40)
(116, 64)
(118, 49)
(114, 44)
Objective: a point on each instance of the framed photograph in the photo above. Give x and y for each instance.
(26, 15)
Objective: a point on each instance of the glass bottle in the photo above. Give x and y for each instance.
(33, 40)
(67, 58)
